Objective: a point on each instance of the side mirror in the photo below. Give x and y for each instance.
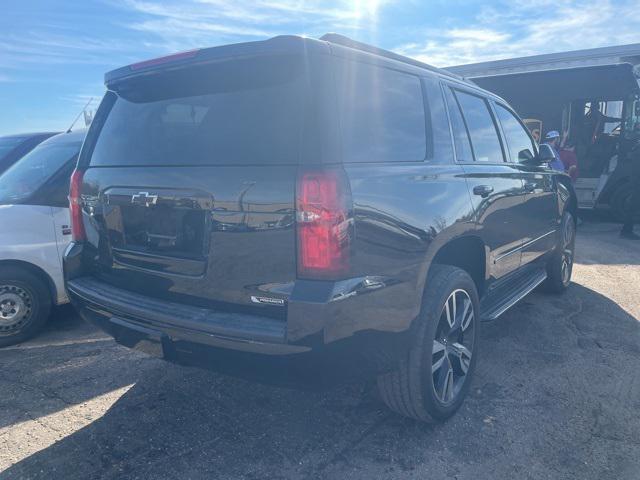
(525, 156)
(545, 154)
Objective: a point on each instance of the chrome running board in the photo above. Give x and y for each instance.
(491, 310)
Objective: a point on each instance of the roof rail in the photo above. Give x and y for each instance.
(348, 42)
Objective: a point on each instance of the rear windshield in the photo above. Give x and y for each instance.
(26, 176)
(239, 112)
(9, 143)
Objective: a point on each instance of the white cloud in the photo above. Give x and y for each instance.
(88, 99)
(35, 48)
(522, 28)
(179, 25)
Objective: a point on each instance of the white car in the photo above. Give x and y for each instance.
(35, 231)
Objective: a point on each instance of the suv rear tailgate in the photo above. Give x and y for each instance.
(189, 182)
(226, 235)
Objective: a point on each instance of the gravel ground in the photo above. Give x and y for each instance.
(556, 395)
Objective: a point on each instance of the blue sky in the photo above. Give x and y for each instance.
(53, 53)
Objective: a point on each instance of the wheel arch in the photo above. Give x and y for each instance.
(37, 271)
(467, 252)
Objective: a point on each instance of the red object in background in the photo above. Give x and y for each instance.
(570, 162)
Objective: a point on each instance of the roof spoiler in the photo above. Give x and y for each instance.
(364, 47)
(280, 43)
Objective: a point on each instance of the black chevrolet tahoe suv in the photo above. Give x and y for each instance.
(314, 207)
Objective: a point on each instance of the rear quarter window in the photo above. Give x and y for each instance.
(460, 136)
(381, 114)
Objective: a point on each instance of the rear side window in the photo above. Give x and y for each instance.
(442, 150)
(381, 114)
(460, 136)
(481, 127)
(240, 112)
(519, 142)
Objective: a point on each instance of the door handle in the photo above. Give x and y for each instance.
(530, 186)
(66, 230)
(482, 190)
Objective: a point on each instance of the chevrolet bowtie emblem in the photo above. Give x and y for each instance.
(143, 198)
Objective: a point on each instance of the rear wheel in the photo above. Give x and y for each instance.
(433, 378)
(560, 265)
(25, 304)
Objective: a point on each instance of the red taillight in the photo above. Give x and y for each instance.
(323, 213)
(75, 206)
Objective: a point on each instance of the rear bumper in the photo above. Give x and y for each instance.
(117, 311)
(344, 328)
(235, 344)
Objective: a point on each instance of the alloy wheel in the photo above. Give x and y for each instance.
(453, 346)
(568, 235)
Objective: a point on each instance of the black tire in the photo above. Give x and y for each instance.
(560, 265)
(25, 303)
(414, 388)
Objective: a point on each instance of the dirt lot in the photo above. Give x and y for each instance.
(557, 395)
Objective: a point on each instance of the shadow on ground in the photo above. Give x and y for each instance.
(556, 396)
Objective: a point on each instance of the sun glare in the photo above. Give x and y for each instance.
(364, 8)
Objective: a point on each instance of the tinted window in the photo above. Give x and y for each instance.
(442, 150)
(460, 136)
(26, 176)
(9, 143)
(518, 140)
(236, 112)
(55, 191)
(482, 129)
(381, 114)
